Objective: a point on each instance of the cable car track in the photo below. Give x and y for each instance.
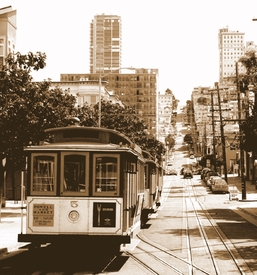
(211, 248)
(192, 206)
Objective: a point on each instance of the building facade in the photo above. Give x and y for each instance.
(231, 48)
(167, 107)
(137, 89)
(86, 91)
(105, 43)
(207, 111)
(7, 32)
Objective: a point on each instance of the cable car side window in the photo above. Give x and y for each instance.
(43, 176)
(106, 175)
(74, 174)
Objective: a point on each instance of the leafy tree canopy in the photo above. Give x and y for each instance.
(27, 107)
(188, 139)
(170, 141)
(124, 119)
(249, 126)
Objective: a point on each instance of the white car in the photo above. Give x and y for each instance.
(211, 180)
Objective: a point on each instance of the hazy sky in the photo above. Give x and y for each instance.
(178, 37)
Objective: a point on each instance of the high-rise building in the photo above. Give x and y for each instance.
(137, 89)
(105, 43)
(7, 32)
(167, 107)
(231, 48)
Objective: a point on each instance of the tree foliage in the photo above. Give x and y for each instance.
(188, 139)
(27, 107)
(170, 141)
(249, 126)
(124, 119)
(203, 101)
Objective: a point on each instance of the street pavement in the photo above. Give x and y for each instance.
(10, 216)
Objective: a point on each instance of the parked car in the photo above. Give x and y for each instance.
(211, 180)
(205, 170)
(182, 171)
(187, 174)
(208, 174)
(219, 186)
(171, 172)
(168, 168)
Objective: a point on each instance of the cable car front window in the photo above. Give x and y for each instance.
(44, 174)
(74, 174)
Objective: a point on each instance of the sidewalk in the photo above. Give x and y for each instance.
(251, 192)
(246, 206)
(10, 226)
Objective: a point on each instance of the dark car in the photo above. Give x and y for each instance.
(182, 171)
(204, 171)
(187, 174)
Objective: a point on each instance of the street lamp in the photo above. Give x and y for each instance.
(100, 88)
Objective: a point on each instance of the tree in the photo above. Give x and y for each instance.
(203, 100)
(249, 126)
(170, 141)
(188, 139)
(124, 119)
(27, 107)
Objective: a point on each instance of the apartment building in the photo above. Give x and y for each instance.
(138, 89)
(231, 48)
(215, 108)
(167, 107)
(134, 87)
(105, 43)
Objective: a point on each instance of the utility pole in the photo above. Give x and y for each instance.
(240, 137)
(213, 131)
(222, 135)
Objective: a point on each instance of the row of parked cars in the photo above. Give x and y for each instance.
(214, 181)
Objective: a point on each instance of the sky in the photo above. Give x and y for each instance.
(177, 37)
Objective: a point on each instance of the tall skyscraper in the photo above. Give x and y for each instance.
(231, 48)
(105, 43)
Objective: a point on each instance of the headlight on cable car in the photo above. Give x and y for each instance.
(73, 215)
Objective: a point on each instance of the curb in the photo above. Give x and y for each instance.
(254, 200)
(247, 212)
(3, 250)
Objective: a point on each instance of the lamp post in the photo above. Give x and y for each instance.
(100, 88)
